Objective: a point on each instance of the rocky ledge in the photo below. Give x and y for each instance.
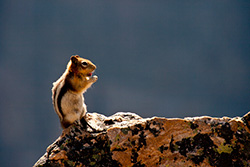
(126, 139)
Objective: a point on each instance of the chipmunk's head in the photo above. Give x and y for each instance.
(81, 66)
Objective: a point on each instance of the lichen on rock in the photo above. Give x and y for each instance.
(126, 139)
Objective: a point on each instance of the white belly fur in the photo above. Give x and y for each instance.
(73, 107)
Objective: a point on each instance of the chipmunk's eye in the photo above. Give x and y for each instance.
(84, 64)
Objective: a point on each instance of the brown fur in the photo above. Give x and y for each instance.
(68, 90)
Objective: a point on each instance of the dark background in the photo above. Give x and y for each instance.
(154, 58)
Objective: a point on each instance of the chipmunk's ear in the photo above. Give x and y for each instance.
(74, 59)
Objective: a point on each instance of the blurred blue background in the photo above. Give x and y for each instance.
(154, 58)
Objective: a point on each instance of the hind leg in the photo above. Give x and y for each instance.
(85, 124)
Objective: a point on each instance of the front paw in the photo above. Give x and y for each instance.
(94, 78)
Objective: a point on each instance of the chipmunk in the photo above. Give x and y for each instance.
(67, 91)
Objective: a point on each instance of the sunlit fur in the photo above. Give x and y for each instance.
(67, 91)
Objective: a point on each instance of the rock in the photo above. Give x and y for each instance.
(126, 139)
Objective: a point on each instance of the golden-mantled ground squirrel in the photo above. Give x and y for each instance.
(67, 91)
